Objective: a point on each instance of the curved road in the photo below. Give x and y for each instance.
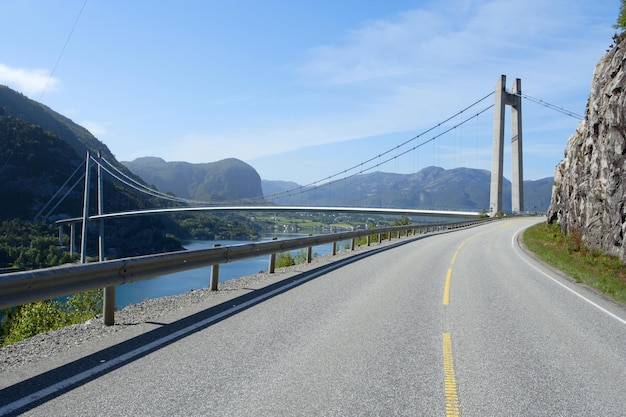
(461, 323)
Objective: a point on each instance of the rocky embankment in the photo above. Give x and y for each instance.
(589, 193)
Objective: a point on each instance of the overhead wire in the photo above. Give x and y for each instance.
(67, 41)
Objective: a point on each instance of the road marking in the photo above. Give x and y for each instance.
(582, 297)
(454, 257)
(452, 395)
(446, 289)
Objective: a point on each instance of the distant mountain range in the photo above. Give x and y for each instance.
(431, 188)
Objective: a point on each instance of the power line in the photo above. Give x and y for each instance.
(67, 41)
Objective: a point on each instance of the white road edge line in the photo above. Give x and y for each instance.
(525, 259)
(22, 402)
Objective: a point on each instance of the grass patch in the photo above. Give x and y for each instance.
(568, 253)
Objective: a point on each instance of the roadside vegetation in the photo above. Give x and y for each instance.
(43, 316)
(605, 273)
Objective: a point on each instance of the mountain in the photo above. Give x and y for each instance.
(33, 112)
(27, 178)
(39, 151)
(271, 187)
(431, 188)
(228, 179)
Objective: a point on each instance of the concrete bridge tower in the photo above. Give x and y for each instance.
(502, 99)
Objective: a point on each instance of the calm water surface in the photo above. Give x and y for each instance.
(181, 282)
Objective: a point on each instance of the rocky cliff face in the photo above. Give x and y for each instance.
(589, 192)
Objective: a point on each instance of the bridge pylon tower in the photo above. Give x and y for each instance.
(502, 99)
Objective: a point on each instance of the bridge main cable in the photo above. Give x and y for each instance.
(305, 188)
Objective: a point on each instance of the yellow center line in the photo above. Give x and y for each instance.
(446, 289)
(452, 394)
(454, 257)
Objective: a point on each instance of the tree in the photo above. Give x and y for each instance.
(621, 18)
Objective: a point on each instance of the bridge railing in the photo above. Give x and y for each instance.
(24, 287)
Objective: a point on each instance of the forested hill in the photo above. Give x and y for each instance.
(33, 165)
(41, 148)
(31, 111)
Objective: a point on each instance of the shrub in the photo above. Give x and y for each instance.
(284, 260)
(43, 316)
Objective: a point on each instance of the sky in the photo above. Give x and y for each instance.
(305, 90)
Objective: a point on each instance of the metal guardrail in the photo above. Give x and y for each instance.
(41, 284)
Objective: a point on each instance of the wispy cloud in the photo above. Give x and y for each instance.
(29, 81)
(473, 41)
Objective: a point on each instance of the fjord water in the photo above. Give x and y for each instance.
(181, 282)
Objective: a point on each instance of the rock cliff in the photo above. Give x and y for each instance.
(589, 191)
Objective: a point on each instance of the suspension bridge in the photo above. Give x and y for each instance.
(501, 99)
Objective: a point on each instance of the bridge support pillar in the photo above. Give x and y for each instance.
(502, 99)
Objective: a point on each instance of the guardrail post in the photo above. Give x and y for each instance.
(309, 254)
(380, 238)
(272, 266)
(369, 240)
(108, 305)
(353, 244)
(334, 248)
(215, 272)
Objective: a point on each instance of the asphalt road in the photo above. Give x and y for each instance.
(462, 323)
